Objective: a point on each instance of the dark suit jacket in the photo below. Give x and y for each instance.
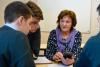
(90, 56)
(14, 49)
(34, 39)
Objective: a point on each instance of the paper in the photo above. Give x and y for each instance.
(58, 65)
(42, 60)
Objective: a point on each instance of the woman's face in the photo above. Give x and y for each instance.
(66, 23)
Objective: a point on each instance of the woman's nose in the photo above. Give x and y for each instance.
(64, 23)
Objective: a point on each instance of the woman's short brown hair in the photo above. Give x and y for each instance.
(71, 14)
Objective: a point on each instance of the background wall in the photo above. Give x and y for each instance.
(93, 25)
(44, 35)
(51, 12)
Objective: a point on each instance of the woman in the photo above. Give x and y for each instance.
(64, 42)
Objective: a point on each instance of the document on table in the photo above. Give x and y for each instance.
(42, 60)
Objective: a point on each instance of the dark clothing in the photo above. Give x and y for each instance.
(52, 46)
(14, 49)
(35, 39)
(90, 56)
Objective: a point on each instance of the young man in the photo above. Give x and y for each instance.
(14, 45)
(35, 34)
(90, 56)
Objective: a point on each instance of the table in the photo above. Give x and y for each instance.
(52, 65)
(44, 62)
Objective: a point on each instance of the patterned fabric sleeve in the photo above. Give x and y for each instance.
(51, 45)
(77, 45)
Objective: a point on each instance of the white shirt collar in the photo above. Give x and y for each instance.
(12, 25)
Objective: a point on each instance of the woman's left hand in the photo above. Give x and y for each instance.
(70, 61)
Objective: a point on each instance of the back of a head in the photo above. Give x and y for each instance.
(35, 9)
(98, 9)
(15, 10)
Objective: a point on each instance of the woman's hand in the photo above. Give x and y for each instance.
(58, 56)
(68, 61)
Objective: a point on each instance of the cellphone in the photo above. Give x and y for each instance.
(68, 55)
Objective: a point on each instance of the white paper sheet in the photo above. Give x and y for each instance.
(42, 60)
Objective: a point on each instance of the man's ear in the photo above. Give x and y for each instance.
(20, 20)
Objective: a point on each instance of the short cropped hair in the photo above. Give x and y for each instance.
(98, 9)
(71, 14)
(15, 10)
(35, 9)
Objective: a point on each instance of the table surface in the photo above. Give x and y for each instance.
(44, 62)
(52, 65)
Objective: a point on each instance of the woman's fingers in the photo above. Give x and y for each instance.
(70, 61)
(58, 56)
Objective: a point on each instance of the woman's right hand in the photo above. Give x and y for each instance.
(58, 56)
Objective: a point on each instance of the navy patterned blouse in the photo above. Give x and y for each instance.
(52, 45)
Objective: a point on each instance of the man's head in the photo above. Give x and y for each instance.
(98, 9)
(19, 14)
(38, 15)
